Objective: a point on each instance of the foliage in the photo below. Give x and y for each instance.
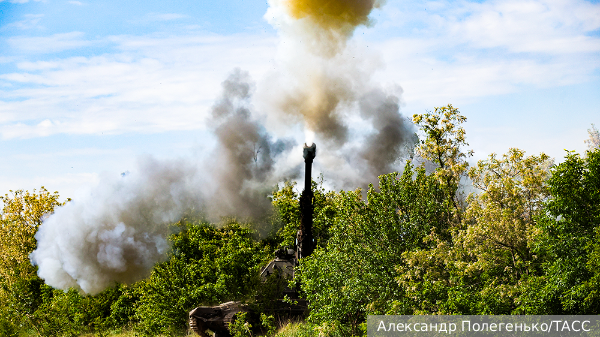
(593, 142)
(568, 241)
(20, 287)
(269, 291)
(268, 322)
(287, 203)
(240, 327)
(501, 218)
(22, 214)
(353, 276)
(480, 269)
(207, 266)
(527, 242)
(28, 303)
(442, 145)
(71, 313)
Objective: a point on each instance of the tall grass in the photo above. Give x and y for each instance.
(296, 329)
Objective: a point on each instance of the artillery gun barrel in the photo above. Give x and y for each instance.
(310, 153)
(218, 318)
(305, 235)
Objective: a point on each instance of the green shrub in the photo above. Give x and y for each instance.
(355, 274)
(207, 266)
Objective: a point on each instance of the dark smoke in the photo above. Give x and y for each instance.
(118, 233)
(245, 157)
(380, 141)
(392, 137)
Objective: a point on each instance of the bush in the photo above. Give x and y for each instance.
(71, 313)
(355, 274)
(207, 266)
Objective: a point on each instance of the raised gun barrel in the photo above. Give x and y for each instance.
(310, 153)
(305, 235)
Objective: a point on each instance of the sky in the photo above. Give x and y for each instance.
(87, 88)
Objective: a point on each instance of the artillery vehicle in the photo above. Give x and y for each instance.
(287, 305)
(217, 318)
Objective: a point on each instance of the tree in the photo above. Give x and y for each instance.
(423, 271)
(480, 269)
(286, 202)
(594, 141)
(500, 225)
(568, 240)
(207, 266)
(354, 274)
(20, 287)
(29, 305)
(442, 145)
(501, 218)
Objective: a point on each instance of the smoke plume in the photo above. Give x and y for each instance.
(245, 156)
(391, 138)
(325, 25)
(341, 15)
(322, 84)
(118, 233)
(323, 81)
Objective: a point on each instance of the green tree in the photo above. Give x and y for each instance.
(207, 266)
(353, 275)
(443, 145)
(70, 313)
(479, 271)
(20, 287)
(424, 271)
(287, 203)
(501, 218)
(29, 305)
(500, 226)
(568, 240)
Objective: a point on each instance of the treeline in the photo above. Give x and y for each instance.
(526, 242)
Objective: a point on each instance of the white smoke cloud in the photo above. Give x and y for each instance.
(323, 82)
(118, 232)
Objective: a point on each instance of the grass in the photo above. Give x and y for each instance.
(290, 329)
(295, 329)
(130, 333)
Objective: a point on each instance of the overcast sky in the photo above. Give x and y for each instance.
(86, 87)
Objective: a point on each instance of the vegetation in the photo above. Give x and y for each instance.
(526, 242)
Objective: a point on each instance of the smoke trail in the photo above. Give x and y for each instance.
(319, 79)
(119, 231)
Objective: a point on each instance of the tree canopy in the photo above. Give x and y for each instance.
(526, 240)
